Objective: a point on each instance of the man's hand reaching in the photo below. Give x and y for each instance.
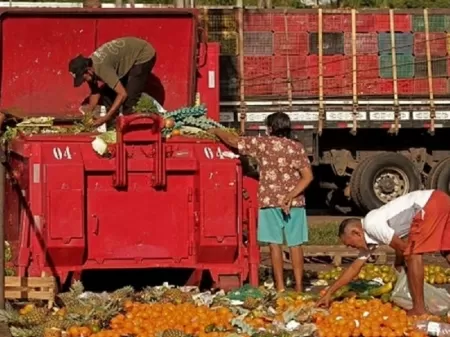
(100, 121)
(324, 301)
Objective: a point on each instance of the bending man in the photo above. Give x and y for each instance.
(413, 224)
(117, 72)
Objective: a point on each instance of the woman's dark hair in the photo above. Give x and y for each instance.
(280, 125)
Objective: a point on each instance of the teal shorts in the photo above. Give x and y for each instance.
(276, 227)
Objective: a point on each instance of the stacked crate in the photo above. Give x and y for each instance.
(258, 52)
(282, 47)
(221, 26)
(290, 52)
(438, 28)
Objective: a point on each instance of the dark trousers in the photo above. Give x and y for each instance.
(135, 83)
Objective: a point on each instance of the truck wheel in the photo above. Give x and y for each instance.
(355, 181)
(386, 177)
(443, 179)
(433, 176)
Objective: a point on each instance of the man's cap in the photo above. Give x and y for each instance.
(77, 68)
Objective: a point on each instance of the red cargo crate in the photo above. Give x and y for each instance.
(333, 22)
(438, 44)
(405, 86)
(375, 87)
(366, 43)
(366, 65)
(258, 75)
(295, 22)
(292, 44)
(364, 23)
(260, 22)
(296, 65)
(313, 23)
(332, 86)
(333, 65)
(402, 23)
(440, 86)
(299, 85)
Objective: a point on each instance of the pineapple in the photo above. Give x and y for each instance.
(173, 333)
(122, 293)
(251, 303)
(173, 295)
(71, 297)
(36, 316)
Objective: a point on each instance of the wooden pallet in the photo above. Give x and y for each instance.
(31, 288)
(337, 253)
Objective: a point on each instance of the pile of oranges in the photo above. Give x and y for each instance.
(373, 318)
(147, 320)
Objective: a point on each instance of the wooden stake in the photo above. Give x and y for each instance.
(242, 112)
(288, 67)
(394, 73)
(430, 72)
(354, 77)
(320, 50)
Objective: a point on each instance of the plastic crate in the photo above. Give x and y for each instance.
(365, 23)
(332, 86)
(228, 67)
(436, 23)
(402, 23)
(333, 23)
(300, 86)
(260, 22)
(258, 43)
(293, 44)
(403, 43)
(438, 44)
(438, 67)
(405, 66)
(227, 40)
(335, 65)
(366, 43)
(333, 43)
(313, 23)
(257, 67)
(295, 22)
(297, 65)
(405, 87)
(440, 86)
(367, 66)
(219, 20)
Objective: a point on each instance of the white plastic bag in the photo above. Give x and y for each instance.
(437, 300)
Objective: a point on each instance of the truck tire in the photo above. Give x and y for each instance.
(433, 176)
(443, 179)
(355, 181)
(385, 177)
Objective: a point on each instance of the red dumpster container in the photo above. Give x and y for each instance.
(152, 203)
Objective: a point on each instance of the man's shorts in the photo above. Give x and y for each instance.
(276, 227)
(430, 228)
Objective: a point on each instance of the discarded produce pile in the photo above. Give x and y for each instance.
(181, 312)
(188, 121)
(434, 274)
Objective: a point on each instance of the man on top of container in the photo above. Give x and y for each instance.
(117, 72)
(413, 224)
(285, 173)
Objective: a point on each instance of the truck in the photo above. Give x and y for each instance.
(153, 202)
(366, 90)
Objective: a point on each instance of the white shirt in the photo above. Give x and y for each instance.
(395, 217)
